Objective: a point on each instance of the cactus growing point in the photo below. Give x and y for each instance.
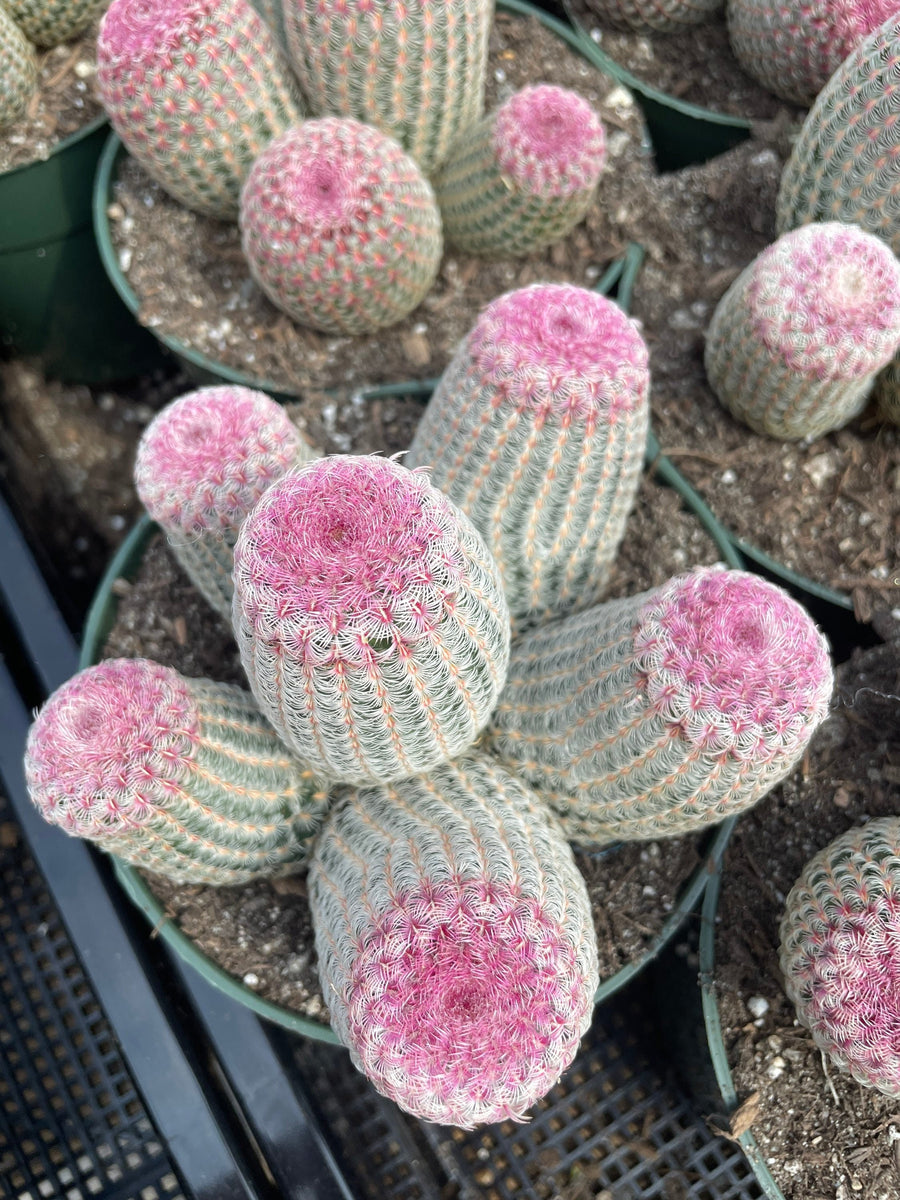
(48, 22)
(181, 776)
(370, 619)
(455, 942)
(18, 69)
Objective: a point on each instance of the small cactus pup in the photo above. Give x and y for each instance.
(537, 432)
(370, 619)
(455, 942)
(797, 341)
(664, 712)
(47, 23)
(414, 71)
(839, 938)
(655, 16)
(181, 776)
(18, 69)
(340, 227)
(524, 176)
(202, 463)
(195, 89)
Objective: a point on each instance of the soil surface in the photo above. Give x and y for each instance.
(823, 1136)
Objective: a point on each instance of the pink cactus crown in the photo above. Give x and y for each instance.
(735, 663)
(561, 348)
(826, 298)
(205, 460)
(549, 141)
(109, 745)
(137, 34)
(847, 22)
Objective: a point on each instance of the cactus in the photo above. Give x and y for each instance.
(415, 71)
(524, 176)
(181, 776)
(654, 16)
(658, 714)
(48, 22)
(839, 938)
(18, 70)
(794, 48)
(537, 431)
(202, 464)
(272, 12)
(370, 619)
(455, 942)
(195, 89)
(887, 393)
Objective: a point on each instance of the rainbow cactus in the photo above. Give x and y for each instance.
(658, 714)
(654, 16)
(797, 341)
(370, 619)
(202, 464)
(18, 70)
(340, 227)
(839, 938)
(537, 432)
(793, 48)
(414, 71)
(455, 942)
(272, 12)
(181, 776)
(524, 176)
(887, 393)
(195, 89)
(48, 22)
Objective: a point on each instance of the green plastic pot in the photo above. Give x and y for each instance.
(56, 302)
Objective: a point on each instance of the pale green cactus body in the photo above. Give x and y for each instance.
(655, 16)
(272, 12)
(48, 22)
(18, 70)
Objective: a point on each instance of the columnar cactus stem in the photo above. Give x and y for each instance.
(195, 89)
(49, 22)
(797, 341)
(414, 71)
(524, 176)
(18, 69)
(370, 619)
(455, 942)
(658, 714)
(202, 464)
(537, 432)
(659, 16)
(839, 938)
(181, 776)
(340, 227)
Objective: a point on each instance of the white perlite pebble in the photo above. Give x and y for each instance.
(758, 1006)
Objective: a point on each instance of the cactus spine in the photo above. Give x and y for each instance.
(524, 176)
(202, 464)
(796, 342)
(195, 89)
(655, 715)
(537, 432)
(370, 619)
(18, 70)
(181, 776)
(839, 938)
(659, 16)
(455, 942)
(49, 22)
(340, 227)
(415, 71)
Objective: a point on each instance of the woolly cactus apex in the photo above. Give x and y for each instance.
(537, 431)
(656, 715)
(340, 227)
(18, 70)
(201, 466)
(524, 176)
(181, 776)
(455, 942)
(839, 939)
(794, 48)
(414, 71)
(655, 16)
(49, 22)
(796, 342)
(370, 619)
(195, 89)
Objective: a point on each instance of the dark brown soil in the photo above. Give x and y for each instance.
(822, 1134)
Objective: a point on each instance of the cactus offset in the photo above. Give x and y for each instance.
(272, 12)
(195, 89)
(655, 715)
(49, 22)
(181, 776)
(455, 942)
(18, 70)
(537, 432)
(414, 71)
(797, 341)
(839, 938)
(370, 619)
(202, 464)
(524, 176)
(654, 16)
(340, 227)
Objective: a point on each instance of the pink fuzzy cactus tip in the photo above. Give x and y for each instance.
(466, 1003)
(142, 31)
(549, 141)
(109, 745)
(735, 663)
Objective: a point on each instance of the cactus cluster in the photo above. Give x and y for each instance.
(654, 16)
(46, 23)
(18, 69)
